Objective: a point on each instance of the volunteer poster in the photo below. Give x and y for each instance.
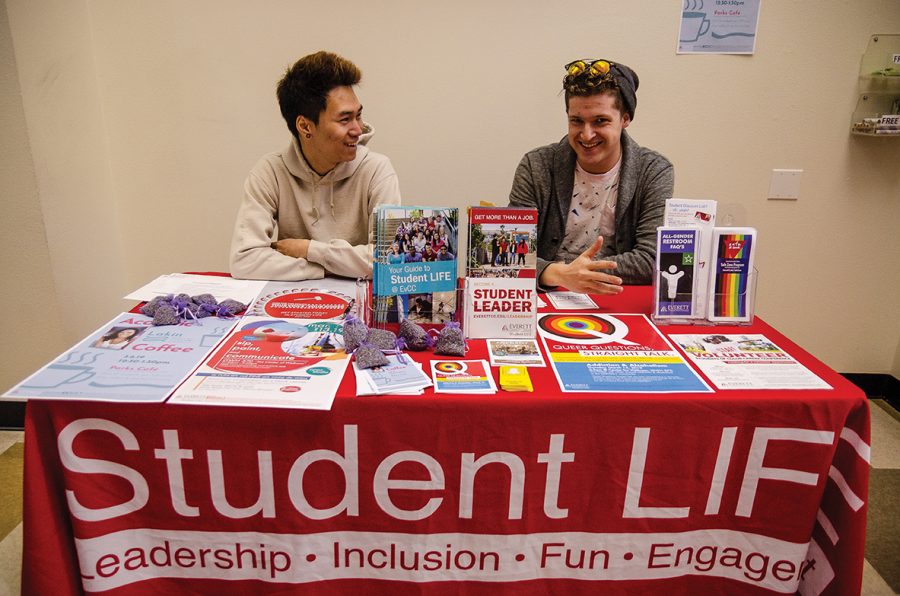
(746, 362)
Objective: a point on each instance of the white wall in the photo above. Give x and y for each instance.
(28, 306)
(144, 117)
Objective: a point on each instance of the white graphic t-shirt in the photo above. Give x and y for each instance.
(592, 212)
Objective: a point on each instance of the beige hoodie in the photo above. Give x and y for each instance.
(285, 198)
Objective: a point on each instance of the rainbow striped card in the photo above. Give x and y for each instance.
(731, 291)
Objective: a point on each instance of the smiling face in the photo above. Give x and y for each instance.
(595, 131)
(335, 137)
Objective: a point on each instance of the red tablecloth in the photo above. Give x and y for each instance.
(733, 492)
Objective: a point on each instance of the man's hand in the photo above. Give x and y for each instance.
(584, 274)
(293, 247)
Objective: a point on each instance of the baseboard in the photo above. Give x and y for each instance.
(877, 386)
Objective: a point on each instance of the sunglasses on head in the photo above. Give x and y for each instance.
(588, 72)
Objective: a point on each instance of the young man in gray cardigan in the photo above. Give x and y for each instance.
(600, 196)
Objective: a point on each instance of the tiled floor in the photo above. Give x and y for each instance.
(883, 530)
(882, 568)
(10, 529)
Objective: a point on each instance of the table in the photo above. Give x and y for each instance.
(735, 492)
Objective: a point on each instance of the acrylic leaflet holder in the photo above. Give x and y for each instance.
(430, 310)
(693, 287)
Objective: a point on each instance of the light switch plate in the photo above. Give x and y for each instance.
(785, 184)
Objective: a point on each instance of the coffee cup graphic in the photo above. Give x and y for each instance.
(694, 25)
(57, 375)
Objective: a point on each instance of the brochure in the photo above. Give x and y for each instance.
(415, 269)
(266, 362)
(700, 214)
(614, 353)
(676, 294)
(515, 378)
(746, 362)
(522, 352)
(501, 265)
(404, 377)
(730, 295)
(127, 359)
(462, 376)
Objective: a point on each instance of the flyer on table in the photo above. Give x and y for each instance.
(622, 353)
(746, 362)
(327, 298)
(127, 359)
(266, 362)
(524, 352)
(570, 301)
(462, 376)
(401, 375)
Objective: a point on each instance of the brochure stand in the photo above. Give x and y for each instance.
(719, 304)
(442, 308)
(722, 293)
(734, 308)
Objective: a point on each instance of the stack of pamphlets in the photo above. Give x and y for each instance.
(415, 267)
(462, 376)
(515, 378)
(730, 292)
(501, 297)
(683, 259)
(401, 375)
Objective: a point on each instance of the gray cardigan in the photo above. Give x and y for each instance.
(544, 181)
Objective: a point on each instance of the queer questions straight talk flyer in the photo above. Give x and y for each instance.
(462, 376)
(622, 353)
(265, 362)
(127, 359)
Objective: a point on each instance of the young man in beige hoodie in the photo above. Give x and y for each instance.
(306, 209)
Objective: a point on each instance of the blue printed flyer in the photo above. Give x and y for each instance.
(126, 360)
